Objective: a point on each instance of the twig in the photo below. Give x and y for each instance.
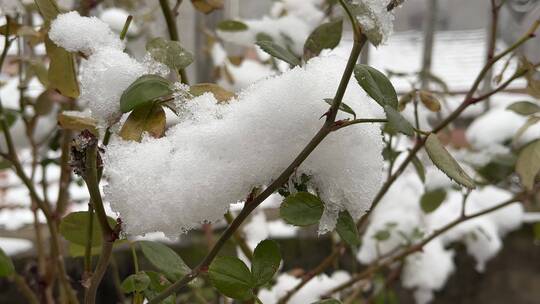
(381, 263)
(109, 235)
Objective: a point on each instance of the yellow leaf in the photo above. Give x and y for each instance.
(62, 76)
(219, 93)
(150, 118)
(77, 122)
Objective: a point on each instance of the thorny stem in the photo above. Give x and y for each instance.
(250, 205)
(13, 158)
(170, 19)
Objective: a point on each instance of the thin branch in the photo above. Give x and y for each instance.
(91, 177)
(386, 262)
(280, 180)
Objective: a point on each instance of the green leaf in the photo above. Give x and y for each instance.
(499, 168)
(266, 260)
(164, 259)
(524, 108)
(382, 235)
(136, 282)
(431, 200)
(342, 107)
(231, 277)
(263, 37)
(144, 90)
(75, 250)
(346, 228)
(326, 36)
(149, 118)
(74, 226)
(397, 122)
(419, 167)
(219, 93)
(232, 26)
(377, 85)
(11, 116)
(528, 164)
(446, 163)
(158, 283)
(279, 52)
(6, 265)
(301, 209)
(207, 6)
(169, 53)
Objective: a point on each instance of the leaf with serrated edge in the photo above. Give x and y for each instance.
(301, 209)
(326, 36)
(279, 52)
(346, 228)
(377, 85)
(165, 259)
(266, 260)
(446, 163)
(231, 277)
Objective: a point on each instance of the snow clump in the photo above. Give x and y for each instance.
(83, 34)
(400, 215)
(108, 70)
(218, 153)
(374, 19)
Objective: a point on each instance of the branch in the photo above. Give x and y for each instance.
(13, 158)
(91, 177)
(381, 263)
(251, 205)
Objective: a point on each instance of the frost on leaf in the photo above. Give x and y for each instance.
(374, 19)
(219, 151)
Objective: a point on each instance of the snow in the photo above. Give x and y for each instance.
(13, 246)
(375, 20)
(248, 72)
(253, 139)
(104, 77)
(83, 34)
(399, 213)
(11, 8)
(310, 293)
(499, 126)
(116, 18)
(107, 71)
(289, 24)
(428, 271)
